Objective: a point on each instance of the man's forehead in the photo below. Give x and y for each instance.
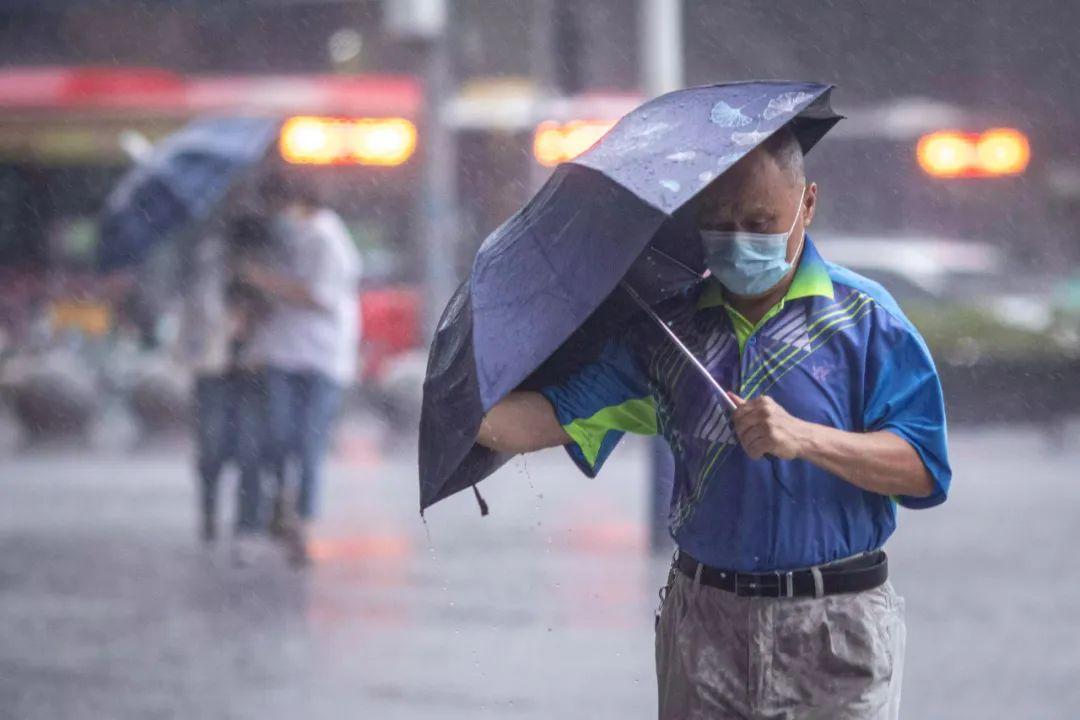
(746, 196)
(755, 182)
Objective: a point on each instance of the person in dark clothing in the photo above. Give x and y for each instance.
(220, 313)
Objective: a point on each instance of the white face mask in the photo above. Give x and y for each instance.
(749, 263)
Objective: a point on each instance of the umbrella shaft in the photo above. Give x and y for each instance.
(728, 402)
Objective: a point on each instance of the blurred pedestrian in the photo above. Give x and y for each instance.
(778, 602)
(219, 314)
(306, 350)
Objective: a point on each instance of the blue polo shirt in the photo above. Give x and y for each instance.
(836, 351)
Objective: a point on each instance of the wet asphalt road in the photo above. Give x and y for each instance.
(110, 609)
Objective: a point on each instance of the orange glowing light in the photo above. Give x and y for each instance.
(555, 142)
(1003, 151)
(946, 154)
(994, 153)
(345, 141)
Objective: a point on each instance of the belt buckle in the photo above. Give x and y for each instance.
(784, 587)
(785, 584)
(750, 585)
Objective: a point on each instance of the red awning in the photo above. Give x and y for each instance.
(72, 89)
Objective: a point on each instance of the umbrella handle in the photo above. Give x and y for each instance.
(724, 397)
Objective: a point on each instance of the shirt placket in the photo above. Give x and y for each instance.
(748, 354)
(751, 352)
(717, 370)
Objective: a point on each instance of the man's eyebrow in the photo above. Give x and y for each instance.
(736, 209)
(759, 211)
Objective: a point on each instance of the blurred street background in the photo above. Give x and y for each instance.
(424, 124)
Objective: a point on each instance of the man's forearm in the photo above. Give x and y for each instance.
(880, 462)
(522, 422)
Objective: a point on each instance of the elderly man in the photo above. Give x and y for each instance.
(778, 603)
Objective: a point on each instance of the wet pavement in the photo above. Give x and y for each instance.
(110, 609)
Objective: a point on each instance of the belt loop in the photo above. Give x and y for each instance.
(790, 584)
(819, 582)
(697, 578)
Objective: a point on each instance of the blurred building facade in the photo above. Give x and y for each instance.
(995, 53)
(1010, 61)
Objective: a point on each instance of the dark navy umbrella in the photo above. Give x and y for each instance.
(178, 185)
(540, 296)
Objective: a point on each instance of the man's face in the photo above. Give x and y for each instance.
(757, 195)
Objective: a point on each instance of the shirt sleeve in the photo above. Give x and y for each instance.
(903, 395)
(600, 402)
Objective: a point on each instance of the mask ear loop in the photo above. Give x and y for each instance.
(798, 212)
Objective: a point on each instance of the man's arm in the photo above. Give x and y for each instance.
(880, 462)
(522, 422)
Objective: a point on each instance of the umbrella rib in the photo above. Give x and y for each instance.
(674, 261)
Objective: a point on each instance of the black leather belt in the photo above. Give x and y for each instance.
(863, 572)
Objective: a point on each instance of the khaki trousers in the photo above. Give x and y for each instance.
(838, 657)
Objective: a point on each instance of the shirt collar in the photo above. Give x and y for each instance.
(811, 279)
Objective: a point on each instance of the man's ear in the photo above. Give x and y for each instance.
(810, 203)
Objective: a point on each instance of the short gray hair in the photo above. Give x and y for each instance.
(783, 147)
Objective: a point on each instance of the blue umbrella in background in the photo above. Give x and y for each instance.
(540, 298)
(178, 185)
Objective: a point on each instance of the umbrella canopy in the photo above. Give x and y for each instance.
(539, 299)
(178, 184)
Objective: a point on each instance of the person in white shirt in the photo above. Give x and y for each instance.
(307, 347)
